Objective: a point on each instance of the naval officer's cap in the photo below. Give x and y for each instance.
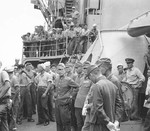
(129, 60)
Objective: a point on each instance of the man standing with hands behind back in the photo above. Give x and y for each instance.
(106, 103)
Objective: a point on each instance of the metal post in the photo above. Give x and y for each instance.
(40, 49)
(56, 47)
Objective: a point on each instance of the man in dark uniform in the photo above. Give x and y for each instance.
(69, 70)
(84, 88)
(106, 103)
(66, 90)
(69, 73)
(5, 93)
(106, 68)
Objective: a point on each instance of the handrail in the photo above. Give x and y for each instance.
(47, 48)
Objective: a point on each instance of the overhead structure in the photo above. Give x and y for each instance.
(45, 7)
(140, 25)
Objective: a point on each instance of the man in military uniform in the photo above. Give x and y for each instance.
(69, 70)
(135, 78)
(84, 88)
(15, 89)
(44, 84)
(121, 73)
(25, 96)
(50, 94)
(78, 79)
(66, 90)
(93, 33)
(106, 70)
(5, 93)
(31, 75)
(106, 103)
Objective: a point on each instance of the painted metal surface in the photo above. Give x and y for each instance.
(118, 45)
(117, 13)
(140, 25)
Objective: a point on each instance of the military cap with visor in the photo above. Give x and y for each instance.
(129, 60)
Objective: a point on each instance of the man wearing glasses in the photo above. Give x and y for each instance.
(65, 91)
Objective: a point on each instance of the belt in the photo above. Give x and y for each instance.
(42, 87)
(22, 86)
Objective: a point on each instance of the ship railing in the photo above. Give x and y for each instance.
(54, 47)
(45, 48)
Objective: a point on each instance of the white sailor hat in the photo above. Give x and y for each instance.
(47, 63)
(94, 25)
(42, 65)
(9, 69)
(120, 64)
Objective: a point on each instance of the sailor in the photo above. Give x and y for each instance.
(5, 93)
(31, 75)
(66, 90)
(25, 96)
(105, 100)
(16, 62)
(54, 70)
(135, 78)
(94, 32)
(121, 73)
(15, 91)
(50, 93)
(44, 84)
(75, 15)
(69, 70)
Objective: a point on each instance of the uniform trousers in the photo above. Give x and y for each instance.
(3, 115)
(25, 99)
(13, 111)
(50, 106)
(147, 122)
(80, 118)
(73, 117)
(63, 116)
(33, 97)
(134, 107)
(42, 106)
(86, 126)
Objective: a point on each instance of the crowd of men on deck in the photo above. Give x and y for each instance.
(76, 38)
(78, 96)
